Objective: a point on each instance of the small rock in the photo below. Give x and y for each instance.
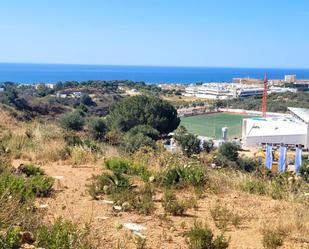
(118, 208)
(43, 206)
(100, 218)
(106, 189)
(140, 235)
(108, 202)
(126, 206)
(151, 179)
(58, 177)
(27, 246)
(134, 227)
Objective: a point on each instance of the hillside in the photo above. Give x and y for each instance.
(99, 184)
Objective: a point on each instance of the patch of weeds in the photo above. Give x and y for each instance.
(107, 184)
(201, 237)
(272, 239)
(139, 242)
(62, 235)
(40, 185)
(30, 170)
(125, 166)
(172, 205)
(181, 176)
(141, 200)
(223, 217)
(15, 186)
(255, 186)
(10, 239)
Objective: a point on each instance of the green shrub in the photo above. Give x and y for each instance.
(108, 184)
(201, 237)
(131, 143)
(62, 235)
(181, 176)
(125, 166)
(146, 130)
(247, 164)
(97, 128)
(15, 186)
(72, 121)
(118, 165)
(10, 239)
(255, 186)
(41, 186)
(304, 172)
(30, 170)
(141, 200)
(272, 239)
(188, 142)
(172, 205)
(229, 150)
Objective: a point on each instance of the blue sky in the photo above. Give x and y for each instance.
(229, 33)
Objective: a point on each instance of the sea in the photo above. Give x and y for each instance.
(27, 73)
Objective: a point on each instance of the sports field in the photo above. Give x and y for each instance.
(210, 125)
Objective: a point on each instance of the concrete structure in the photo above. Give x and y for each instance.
(290, 130)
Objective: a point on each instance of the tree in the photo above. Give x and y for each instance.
(188, 142)
(97, 128)
(229, 150)
(146, 130)
(72, 121)
(86, 99)
(143, 110)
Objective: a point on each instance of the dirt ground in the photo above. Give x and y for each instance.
(72, 202)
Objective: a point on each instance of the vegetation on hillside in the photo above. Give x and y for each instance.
(275, 102)
(139, 177)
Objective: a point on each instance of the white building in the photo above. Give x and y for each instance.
(291, 130)
(291, 78)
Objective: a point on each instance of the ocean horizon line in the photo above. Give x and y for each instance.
(154, 66)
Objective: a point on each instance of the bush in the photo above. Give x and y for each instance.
(188, 142)
(304, 172)
(255, 186)
(108, 184)
(146, 130)
(141, 200)
(181, 176)
(272, 239)
(248, 164)
(229, 150)
(10, 239)
(97, 129)
(15, 186)
(172, 205)
(30, 170)
(132, 143)
(41, 186)
(85, 99)
(62, 235)
(201, 237)
(124, 166)
(72, 121)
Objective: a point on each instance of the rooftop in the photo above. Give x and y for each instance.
(275, 126)
(301, 113)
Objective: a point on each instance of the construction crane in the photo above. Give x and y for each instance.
(264, 104)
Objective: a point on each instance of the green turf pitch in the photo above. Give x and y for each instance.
(211, 125)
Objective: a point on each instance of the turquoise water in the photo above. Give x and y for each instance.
(33, 73)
